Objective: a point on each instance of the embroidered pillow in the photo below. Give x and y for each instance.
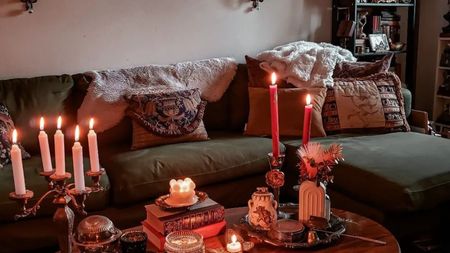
(369, 104)
(166, 116)
(362, 69)
(291, 106)
(6, 129)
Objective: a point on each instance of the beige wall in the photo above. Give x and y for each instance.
(70, 36)
(431, 23)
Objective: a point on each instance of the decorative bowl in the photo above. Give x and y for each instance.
(184, 242)
(96, 233)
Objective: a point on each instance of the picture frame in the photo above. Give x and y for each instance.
(379, 42)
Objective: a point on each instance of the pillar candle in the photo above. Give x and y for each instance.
(93, 148)
(77, 157)
(17, 166)
(45, 149)
(274, 116)
(307, 121)
(59, 150)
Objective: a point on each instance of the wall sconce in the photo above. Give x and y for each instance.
(29, 5)
(256, 4)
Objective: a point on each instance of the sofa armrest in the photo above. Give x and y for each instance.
(419, 121)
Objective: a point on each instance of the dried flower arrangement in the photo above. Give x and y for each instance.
(316, 162)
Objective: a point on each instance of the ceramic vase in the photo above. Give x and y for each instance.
(262, 209)
(313, 201)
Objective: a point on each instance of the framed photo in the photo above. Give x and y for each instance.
(378, 42)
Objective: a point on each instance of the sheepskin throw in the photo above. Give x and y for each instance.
(305, 64)
(105, 96)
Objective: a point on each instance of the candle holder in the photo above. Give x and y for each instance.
(46, 175)
(275, 179)
(63, 195)
(95, 176)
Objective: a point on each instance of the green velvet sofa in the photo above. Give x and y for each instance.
(383, 177)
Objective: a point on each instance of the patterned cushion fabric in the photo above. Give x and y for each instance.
(167, 116)
(6, 128)
(291, 106)
(362, 69)
(357, 104)
(257, 77)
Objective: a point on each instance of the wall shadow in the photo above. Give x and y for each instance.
(11, 8)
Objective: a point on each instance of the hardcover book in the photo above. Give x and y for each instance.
(165, 222)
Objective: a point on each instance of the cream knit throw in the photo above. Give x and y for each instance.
(105, 96)
(305, 64)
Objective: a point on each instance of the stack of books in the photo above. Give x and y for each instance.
(390, 25)
(206, 218)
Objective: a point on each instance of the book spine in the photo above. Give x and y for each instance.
(193, 221)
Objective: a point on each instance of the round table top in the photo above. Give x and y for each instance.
(357, 225)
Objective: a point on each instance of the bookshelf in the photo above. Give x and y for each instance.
(441, 98)
(401, 26)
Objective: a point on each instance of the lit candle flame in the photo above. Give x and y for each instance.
(77, 133)
(41, 123)
(91, 123)
(308, 99)
(274, 78)
(59, 123)
(14, 136)
(233, 239)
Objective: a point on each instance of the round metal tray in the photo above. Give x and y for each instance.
(161, 202)
(334, 231)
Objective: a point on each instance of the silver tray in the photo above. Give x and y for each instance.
(333, 234)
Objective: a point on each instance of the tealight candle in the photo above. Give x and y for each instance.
(44, 147)
(234, 246)
(60, 157)
(17, 166)
(182, 191)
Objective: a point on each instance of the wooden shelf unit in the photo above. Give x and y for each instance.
(440, 101)
(408, 56)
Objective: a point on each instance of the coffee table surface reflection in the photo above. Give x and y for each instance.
(358, 225)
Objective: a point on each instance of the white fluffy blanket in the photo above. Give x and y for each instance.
(105, 96)
(305, 64)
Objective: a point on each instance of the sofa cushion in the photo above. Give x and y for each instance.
(393, 172)
(238, 99)
(144, 174)
(369, 104)
(37, 184)
(29, 98)
(291, 108)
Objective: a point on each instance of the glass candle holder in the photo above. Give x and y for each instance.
(184, 242)
(133, 242)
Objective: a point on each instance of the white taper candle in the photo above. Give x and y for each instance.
(17, 166)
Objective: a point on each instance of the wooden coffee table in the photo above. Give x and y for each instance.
(358, 225)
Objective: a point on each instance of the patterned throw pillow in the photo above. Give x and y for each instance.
(6, 129)
(362, 69)
(369, 104)
(167, 116)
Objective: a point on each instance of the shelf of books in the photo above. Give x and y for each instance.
(441, 102)
(371, 30)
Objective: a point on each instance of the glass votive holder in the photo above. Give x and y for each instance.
(133, 242)
(184, 242)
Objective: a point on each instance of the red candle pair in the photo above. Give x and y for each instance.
(274, 118)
